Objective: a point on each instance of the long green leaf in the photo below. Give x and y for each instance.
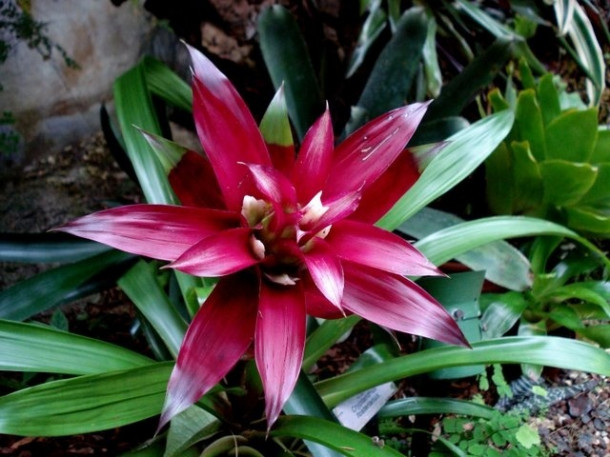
(374, 24)
(503, 264)
(58, 285)
(548, 351)
(134, 109)
(288, 63)
(305, 401)
(332, 435)
(466, 150)
(141, 286)
(452, 241)
(460, 91)
(46, 247)
(396, 66)
(588, 52)
(34, 348)
(86, 403)
(428, 405)
(188, 428)
(166, 84)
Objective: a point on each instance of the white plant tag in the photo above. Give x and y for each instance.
(356, 411)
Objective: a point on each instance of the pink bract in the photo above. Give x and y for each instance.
(286, 237)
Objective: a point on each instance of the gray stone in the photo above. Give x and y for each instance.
(54, 104)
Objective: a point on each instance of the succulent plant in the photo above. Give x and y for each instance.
(555, 162)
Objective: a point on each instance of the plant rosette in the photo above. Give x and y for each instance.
(287, 236)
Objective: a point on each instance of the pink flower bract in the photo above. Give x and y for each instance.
(287, 237)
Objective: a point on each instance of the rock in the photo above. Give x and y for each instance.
(54, 104)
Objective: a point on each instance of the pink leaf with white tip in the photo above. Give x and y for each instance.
(397, 303)
(325, 270)
(279, 343)
(220, 254)
(226, 129)
(219, 335)
(377, 248)
(315, 157)
(367, 153)
(158, 231)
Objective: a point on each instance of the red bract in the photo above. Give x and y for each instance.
(287, 237)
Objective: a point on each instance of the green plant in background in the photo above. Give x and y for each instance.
(570, 289)
(555, 163)
(500, 435)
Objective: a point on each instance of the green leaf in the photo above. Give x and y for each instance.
(588, 53)
(287, 60)
(445, 244)
(500, 185)
(493, 26)
(141, 286)
(598, 333)
(46, 247)
(527, 180)
(135, 110)
(533, 370)
(86, 403)
(589, 221)
(456, 94)
(566, 316)
(547, 351)
(429, 405)
(396, 66)
(332, 435)
(305, 401)
(503, 264)
(598, 196)
(527, 436)
(437, 130)
(502, 312)
(167, 152)
(572, 135)
(373, 25)
(529, 124)
(565, 183)
(548, 95)
(459, 295)
(60, 285)
(188, 428)
(36, 348)
(166, 84)
(454, 163)
(432, 70)
(564, 12)
(275, 126)
(601, 152)
(580, 291)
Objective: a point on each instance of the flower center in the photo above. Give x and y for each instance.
(279, 238)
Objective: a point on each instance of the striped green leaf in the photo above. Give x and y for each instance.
(454, 163)
(332, 435)
(86, 403)
(548, 351)
(36, 348)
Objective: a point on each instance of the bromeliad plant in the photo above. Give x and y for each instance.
(287, 236)
(297, 236)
